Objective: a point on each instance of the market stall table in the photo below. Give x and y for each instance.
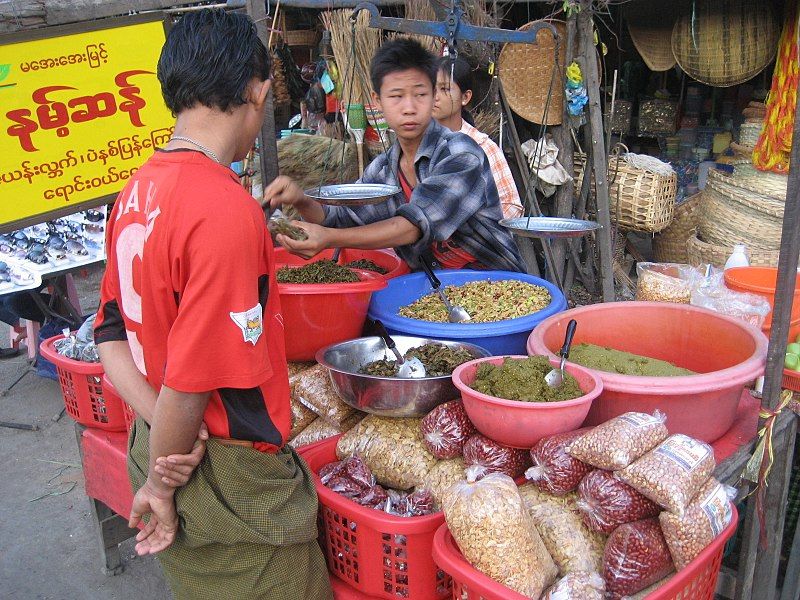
(103, 455)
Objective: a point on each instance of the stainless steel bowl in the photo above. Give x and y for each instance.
(387, 396)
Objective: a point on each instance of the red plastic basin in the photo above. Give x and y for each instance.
(383, 258)
(522, 424)
(726, 353)
(316, 315)
(762, 281)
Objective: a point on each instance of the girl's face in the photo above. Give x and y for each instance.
(449, 98)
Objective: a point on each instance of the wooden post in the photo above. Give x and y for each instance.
(267, 139)
(596, 152)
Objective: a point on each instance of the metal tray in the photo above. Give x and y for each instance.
(549, 227)
(352, 194)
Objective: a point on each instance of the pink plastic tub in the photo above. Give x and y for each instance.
(726, 353)
(522, 424)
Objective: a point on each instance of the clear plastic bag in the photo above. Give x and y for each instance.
(580, 585)
(605, 502)
(636, 556)
(713, 295)
(617, 443)
(554, 470)
(496, 534)
(301, 418)
(446, 428)
(666, 282)
(483, 456)
(673, 473)
(702, 521)
(320, 429)
(443, 474)
(313, 389)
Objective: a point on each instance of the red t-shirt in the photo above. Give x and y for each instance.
(190, 283)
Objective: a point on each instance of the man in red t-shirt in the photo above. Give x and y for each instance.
(190, 332)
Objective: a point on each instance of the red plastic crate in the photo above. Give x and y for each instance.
(378, 554)
(82, 390)
(109, 391)
(697, 581)
(791, 380)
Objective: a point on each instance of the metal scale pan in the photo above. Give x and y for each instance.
(549, 227)
(352, 194)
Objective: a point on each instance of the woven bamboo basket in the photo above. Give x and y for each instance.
(703, 253)
(746, 176)
(749, 134)
(734, 215)
(670, 244)
(639, 200)
(526, 71)
(303, 38)
(725, 42)
(651, 32)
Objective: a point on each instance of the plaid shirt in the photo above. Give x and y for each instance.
(455, 199)
(506, 188)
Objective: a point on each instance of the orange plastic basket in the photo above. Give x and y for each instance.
(378, 554)
(698, 580)
(109, 392)
(791, 380)
(82, 390)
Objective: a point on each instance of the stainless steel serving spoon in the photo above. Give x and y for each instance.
(408, 369)
(455, 314)
(555, 378)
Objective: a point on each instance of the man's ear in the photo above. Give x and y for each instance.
(260, 91)
(376, 99)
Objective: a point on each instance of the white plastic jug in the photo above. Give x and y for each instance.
(738, 257)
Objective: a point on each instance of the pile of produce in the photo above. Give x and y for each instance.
(522, 379)
(485, 301)
(438, 360)
(322, 271)
(792, 359)
(624, 363)
(366, 265)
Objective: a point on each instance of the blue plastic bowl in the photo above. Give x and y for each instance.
(499, 338)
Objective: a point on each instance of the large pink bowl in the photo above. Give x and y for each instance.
(726, 353)
(522, 424)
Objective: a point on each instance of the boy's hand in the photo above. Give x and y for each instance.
(282, 190)
(318, 240)
(176, 469)
(160, 532)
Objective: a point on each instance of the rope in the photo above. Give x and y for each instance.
(773, 147)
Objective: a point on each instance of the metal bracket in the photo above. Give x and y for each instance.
(453, 28)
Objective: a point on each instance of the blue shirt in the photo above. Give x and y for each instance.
(455, 199)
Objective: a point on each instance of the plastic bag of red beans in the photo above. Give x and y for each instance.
(554, 470)
(635, 557)
(605, 502)
(445, 430)
(483, 456)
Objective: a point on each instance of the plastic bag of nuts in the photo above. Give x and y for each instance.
(570, 543)
(532, 496)
(313, 389)
(483, 456)
(392, 449)
(554, 470)
(496, 534)
(665, 282)
(445, 430)
(605, 502)
(443, 474)
(615, 444)
(673, 473)
(703, 520)
(636, 556)
(301, 418)
(320, 429)
(579, 585)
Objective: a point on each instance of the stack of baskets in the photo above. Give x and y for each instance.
(670, 244)
(743, 208)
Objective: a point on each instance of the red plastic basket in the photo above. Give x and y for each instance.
(376, 553)
(697, 581)
(82, 390)
(791, 380)
(109, 392)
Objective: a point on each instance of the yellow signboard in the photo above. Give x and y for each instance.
(79, 113)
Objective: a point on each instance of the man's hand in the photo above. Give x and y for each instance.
(176, 469)
(319, 239)
(283, 190)
(160, 532)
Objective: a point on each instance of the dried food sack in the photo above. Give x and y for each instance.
(580, 585)
(605, 502)
(483, 456)
(702, 521)
(573, 547)
(446, 428)
(554, 470)
(314, 390)
(673, 473)
(301, 418)
(615, 444)
(392, 449)
(532, 495)
(443, 474)
(496, 534)
(635, 557)
(295, 368)
(320, 429)
(665, 282)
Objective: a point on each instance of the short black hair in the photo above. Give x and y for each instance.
(461, 72)
(209, 58)
(401, 54)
